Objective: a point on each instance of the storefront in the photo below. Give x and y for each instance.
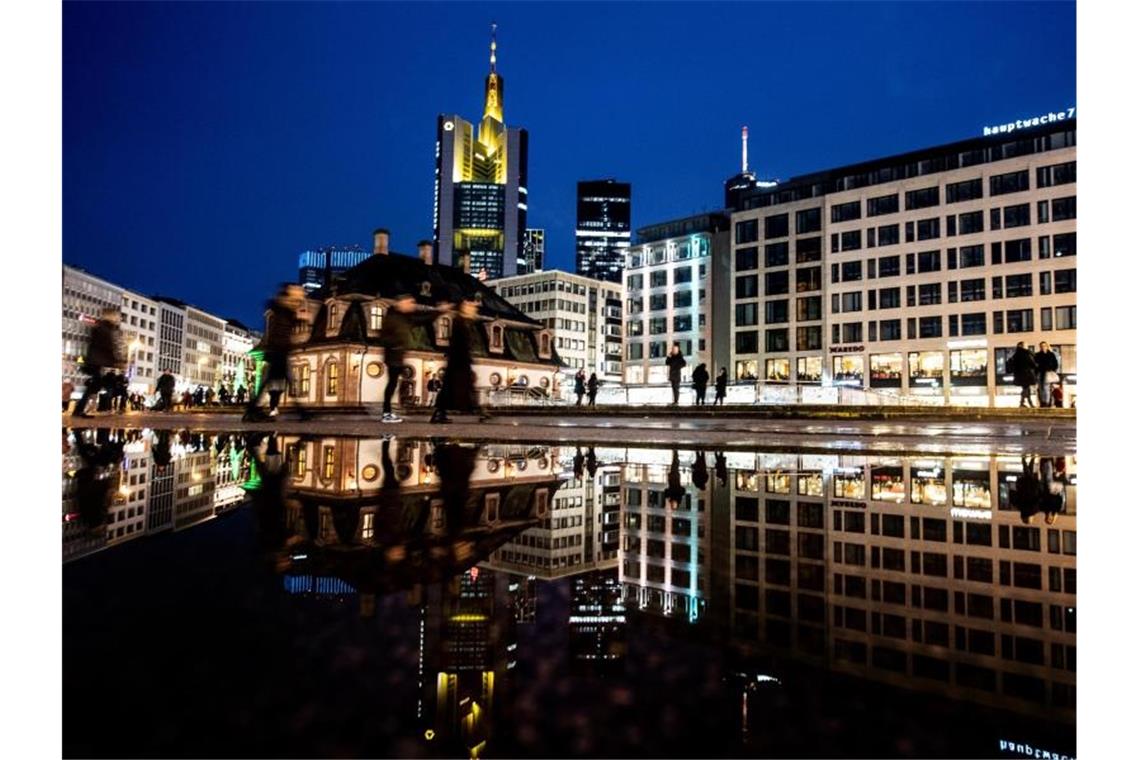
(847, 370)
(747, 369)
(927, 483)
(809, 484)
(777, 370)
(888, 484)
(886, 370)
(971, 485)
(778, 482)
(926, 371)
(849, 483)
(809, 369)
(968, 367)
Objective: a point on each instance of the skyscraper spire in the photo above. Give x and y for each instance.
(494, 26)
(744, 150)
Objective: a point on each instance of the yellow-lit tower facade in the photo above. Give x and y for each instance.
(480, 187)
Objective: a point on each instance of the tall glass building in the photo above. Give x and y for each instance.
(479, 215)
(602, 233)
(534, 250)
(316, 267)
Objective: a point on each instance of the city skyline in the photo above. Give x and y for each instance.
(285, 131)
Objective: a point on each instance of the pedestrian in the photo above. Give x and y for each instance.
(210, 396)
(239, 397)
(700, 472)
(675, 362)
(104, 351)
(396, 338)
(277, 343)
(1024, 371)
(68, 390)
(721, 386)
(224, 395)
(433, 386)
(122, 392)
(1059, 393)
(1047, 366)
(592, 388)
(700, 383)
(674, 492)
(580, 385)
(457, 392)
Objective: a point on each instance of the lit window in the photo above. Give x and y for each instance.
(332, 379)
(328, 465)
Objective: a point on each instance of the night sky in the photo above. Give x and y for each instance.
(206, 145)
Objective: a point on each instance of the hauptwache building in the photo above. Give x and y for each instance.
(915, 274)
(338, 360)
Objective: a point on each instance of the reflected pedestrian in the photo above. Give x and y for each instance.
(592, 389)
(165, 388)
(239, 396)
(720, 467)
(104, 351)
(721, 386)
(675, 362)
(700, 474)
(674, 491)
(395, 337)
(700, 383)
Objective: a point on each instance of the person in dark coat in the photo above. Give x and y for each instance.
(720, 466)
(97, 480)
(1045, 361)
(674, 491)
(396, 338)
(1024, 371)
(239, 396)
(592, 388)
(1026, 494)
(579, 464)
(104, 351)
(165, 388)
(700, 474)
(580, 385)
(277, 344)
(457, 393)
(674, 361)
(454, 462)
(591, 462)
(721, 386)
(700, 383)
(122, 393)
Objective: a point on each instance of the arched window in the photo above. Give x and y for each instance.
(375, 318)
(332, 379)
(544, 345)
(497, 336)
(445, 328)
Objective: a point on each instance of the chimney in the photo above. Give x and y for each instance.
(380, 242)
(425, 248)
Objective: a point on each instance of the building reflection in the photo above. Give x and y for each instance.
(152, 481)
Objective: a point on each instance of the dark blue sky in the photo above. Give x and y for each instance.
(206, 145)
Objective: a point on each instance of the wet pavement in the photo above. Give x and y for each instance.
(255, 592)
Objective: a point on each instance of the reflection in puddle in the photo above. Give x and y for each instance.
(781, 576)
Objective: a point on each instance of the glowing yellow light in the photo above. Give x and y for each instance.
(468, 618)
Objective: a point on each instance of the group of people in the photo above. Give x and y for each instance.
(700, 378)
(1038, 371)
(586, 387)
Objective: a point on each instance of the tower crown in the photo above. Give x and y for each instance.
(493, 91)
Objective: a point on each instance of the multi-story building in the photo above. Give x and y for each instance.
(85, 296)
(315, 268)
(917, 273)
(582, 314)
(602, 232)
(140, 334)
(237, 365)
(480, 188)
(677, 281)
(202, 348)
(171, 335)
(534, 251)
(738, 186)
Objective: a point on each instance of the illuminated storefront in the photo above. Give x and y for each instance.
(886, 370)
(747, 370)
(887, 484)
(971, 486)
(809, 369)
(927, 484)
(777, 370)
(779, 482)
(968, 367)
(847, 370)
(926, 369)
(849, 483)
(809, 484)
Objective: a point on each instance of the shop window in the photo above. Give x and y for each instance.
(926, 368)
(809, 369)
(887, 485)
(927, 485)
(972, 489)
(886, 370)
(747, 370)
(847, 370)
(777, 370)
(849, 484)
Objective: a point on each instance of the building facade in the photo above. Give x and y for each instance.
(915, 274)
(479, 215)
(534, 251)
(602, 232)
(203, 348)
(339, 361)
(315, 268)
(140, 336)
(237, 365)
(677, 281)
(85, 296)
(171, 335)
(582, 314)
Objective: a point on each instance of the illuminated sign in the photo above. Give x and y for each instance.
(970, 343)
(1026, 750)
(846, 349)
(971, 514)
(1034, 121)
(448, 126)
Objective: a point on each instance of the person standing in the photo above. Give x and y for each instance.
(277, 344)
(239, 397)
(121, 392)
(580, 385)
(433, 386)
(458, 390)
(1024, 371)
(1047, 366)
(700, 383)
(165, 388)
(395, 337)
(592, 388)
(675, 362)
(721, 386)
(104, 351)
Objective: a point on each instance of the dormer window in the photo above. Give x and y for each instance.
(443, 331)
(375, 317)
(334, 318)
(544, 345)
(497, 338)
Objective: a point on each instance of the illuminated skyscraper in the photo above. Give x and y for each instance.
(317, 267)
(479, 215)
(534, 250)
(602, 233)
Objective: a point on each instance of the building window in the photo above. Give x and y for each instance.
(1064, 280)
(332, 379)
(746, 258)
(968, 366)
(930, 327)
(852, 332)
(375, 318)
(776, 340)
(775, 312)
(776, 226)
(924, 198)
(809, 369)
(809, 249)
(890, 329)
(1019, 320)
(1066, 318)
(635, 351)
(808, 308)
(887, 235)
(968, 190)
(886, 370)
(974, 323)
(776, 254)
(930, 294)
(328, 463)
(1065, 244)
(747, 231)
(970, 223)
(971, 256)
(1015, 216)
(299, 378)
(747, 369)
(890, 298)
(888, 266)
(809, 338)
(1013, 182)
(808, 279)
(843, 212)
(777, 370)
(930, 261)
(775, 283)
(300, 460)
(747, 342)
(1057, 174)
(1064, 208)
(847, 370)
(926, 367)
(746, 314)
(808, 220)
(885, 204)
(682, 299)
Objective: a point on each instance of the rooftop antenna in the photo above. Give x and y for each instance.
(744, 150)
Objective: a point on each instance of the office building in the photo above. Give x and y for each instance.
(915, 274)
(583, 316)
(602, 232)
(677, 281)
(140, 334)
(85, 296)
(534, 250)
(318, 267)
(479, 216)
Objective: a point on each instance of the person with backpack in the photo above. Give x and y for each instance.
(1024, 370)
